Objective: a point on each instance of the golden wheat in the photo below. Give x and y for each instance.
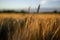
(29, 26)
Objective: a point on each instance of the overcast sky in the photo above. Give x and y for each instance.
(18, 4)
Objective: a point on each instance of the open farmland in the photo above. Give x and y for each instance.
(29, 26)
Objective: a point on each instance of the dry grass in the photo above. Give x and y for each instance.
(29, 26)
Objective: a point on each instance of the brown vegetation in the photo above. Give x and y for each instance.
(29, 26)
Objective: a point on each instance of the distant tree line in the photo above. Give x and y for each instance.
(23, 11)
(13, 11)
(7, 11)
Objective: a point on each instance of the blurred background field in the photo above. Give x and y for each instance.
(29, 19)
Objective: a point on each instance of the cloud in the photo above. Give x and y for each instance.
(42, 2)
(55, 0)
(50, 0)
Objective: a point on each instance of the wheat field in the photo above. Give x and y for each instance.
(29, 26)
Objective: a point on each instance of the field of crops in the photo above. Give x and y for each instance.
(29, 26)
